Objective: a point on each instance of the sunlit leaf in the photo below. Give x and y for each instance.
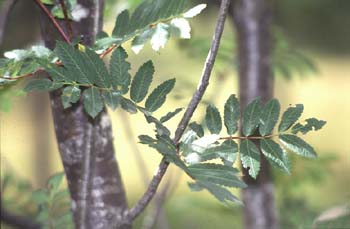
(231, 114)
(250, 157)
(251, 117)
(275, 154)
(269, 116)
(297, 145)
(70, 94)
(290, 116)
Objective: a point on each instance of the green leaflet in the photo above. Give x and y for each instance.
(128, 105)
(251, 117)
(216, 174)
(111, 98)
(297, 145)
(70, 94)
(170, 115)
(213, 119)
(161, 129)
(275, 154)
(227, 151)
(55, 181)
(119, 68)
(121, 24)
(60, 74)
(290, 116)
(232, 114)
(219, 192)
(197, 128)
(139, 41)
(41, 85)
(269, 116)
(93, 104)
(311, 124)
(250, 157)
(141, 82)
(158, 96)
(97, 67)
(75, 63)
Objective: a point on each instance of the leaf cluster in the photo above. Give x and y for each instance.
(54, 204)
(197, 152)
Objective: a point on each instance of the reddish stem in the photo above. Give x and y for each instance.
(58, 27)
(69, 25)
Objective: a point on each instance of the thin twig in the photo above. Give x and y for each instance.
(196, 98)
(53, 20)
(68, 22)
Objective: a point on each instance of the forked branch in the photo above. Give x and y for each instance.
(196, 98)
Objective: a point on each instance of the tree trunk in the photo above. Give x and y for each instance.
(252, 19)
(86, 145)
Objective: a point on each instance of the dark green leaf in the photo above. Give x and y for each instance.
(93, 104)
(227, 151)
(197, 128)
(38, 85)
(128, 105)
(97, 67)
(57, 73)
(141, 82)
(158, 96)
(221, 193)
(232, 114)
(297, 145)
(250, 157)
(70, 94)
(216, 174)
(161, 129)
(290, 116)
(119, 68)
(275, 154)
(269, 116)
(213, 119)
(75, 62)
(145, 139)
(311, 124)
(251, 117)
(121, 24)
(112, 98)
(170, 115)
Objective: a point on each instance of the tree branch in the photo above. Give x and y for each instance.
(196, 98)
(6, 8)
(53, 20)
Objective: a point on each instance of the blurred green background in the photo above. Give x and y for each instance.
(319, 28)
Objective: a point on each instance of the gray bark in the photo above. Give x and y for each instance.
(86, 145)
(252, 19)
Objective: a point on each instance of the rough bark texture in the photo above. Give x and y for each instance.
(252, 20)
(86, 145)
